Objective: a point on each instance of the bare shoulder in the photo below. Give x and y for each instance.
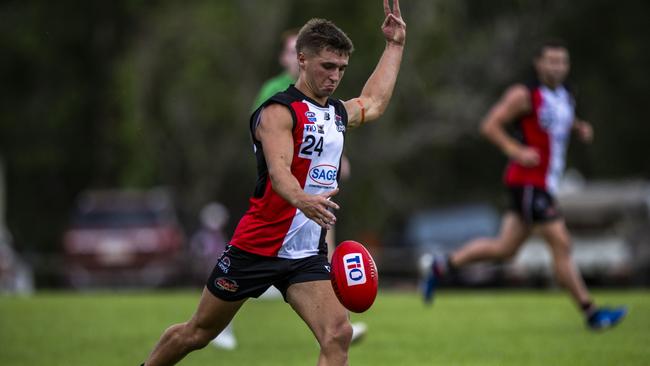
(273, 118)
(516, 98)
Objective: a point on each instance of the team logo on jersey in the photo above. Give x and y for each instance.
(321, 129)
(354, 271)
(311, 116)
(340, 127)
(323, 174)
(327, 116)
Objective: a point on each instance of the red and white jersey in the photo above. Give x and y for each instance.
(271, 226)
(547, 129)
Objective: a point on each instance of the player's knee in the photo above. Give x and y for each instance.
(509, 252)
(337, 336)
(193, 338)
(506, 250)
(562, 247)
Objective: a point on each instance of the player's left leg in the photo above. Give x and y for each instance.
(211, 317)
(317, 305)
(557, 236)
(514, 231)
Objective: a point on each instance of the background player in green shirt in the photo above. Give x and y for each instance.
(288, 60)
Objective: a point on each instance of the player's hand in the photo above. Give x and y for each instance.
(585, 131)
(317, 208)
(394, 28)
(526, 156)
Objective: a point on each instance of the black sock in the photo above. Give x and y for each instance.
(588, 308)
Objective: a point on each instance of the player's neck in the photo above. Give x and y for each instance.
(549, 84)
(308, 91)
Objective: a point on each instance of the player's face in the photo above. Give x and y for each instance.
(323, 72)
(553, 65)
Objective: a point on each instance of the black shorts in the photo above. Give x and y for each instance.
(240, 274)
(534, 205)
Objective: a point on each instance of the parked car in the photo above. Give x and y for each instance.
(439, 231)
(123, 238)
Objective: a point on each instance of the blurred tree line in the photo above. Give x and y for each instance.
(138, 94)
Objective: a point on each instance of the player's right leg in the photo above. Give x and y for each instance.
(210, 318)
(513, 233)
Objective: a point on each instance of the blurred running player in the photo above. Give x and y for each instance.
(544, 116)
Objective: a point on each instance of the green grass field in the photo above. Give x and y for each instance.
(462, 328)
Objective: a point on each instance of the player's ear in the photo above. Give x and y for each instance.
(302, 58)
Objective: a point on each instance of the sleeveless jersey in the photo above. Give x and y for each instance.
(271, 226)
(546, 129)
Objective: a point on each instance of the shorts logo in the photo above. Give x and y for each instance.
(354, 271)
(224, 264)
(328, 268)
(323, 174)
(226, 284)
(311, 116)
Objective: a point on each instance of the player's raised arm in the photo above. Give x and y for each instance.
(378, 89)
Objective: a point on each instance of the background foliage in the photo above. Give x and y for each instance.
(138, 94)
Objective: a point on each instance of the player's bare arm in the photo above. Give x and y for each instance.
(274, 131)
(378, 89)
(584, 130)
(513, 104)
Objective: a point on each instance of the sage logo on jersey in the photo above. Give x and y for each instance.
(323, 174)
(354, 271)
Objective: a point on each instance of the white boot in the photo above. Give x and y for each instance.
(226, 339)
(359, 330)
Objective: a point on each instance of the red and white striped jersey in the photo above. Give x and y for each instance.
(271, 226)
(547, 129)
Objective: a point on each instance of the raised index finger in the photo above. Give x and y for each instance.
(386, 8)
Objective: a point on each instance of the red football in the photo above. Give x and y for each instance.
(354, 276)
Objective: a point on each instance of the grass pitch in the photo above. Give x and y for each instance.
(462, 328)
